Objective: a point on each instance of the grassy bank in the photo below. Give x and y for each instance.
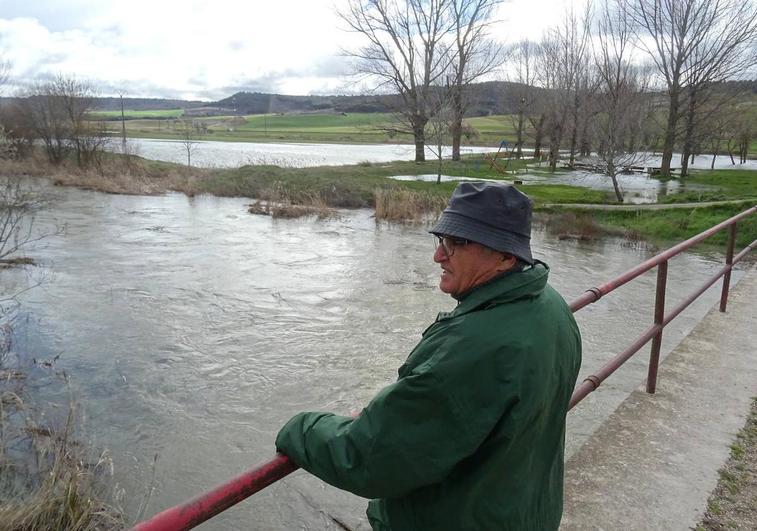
(729, 184)
(664, 227)
(281, 190)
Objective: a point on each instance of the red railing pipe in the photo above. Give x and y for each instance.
(206, 506)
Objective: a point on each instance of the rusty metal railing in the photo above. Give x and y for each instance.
(206, 506)
(661, 319)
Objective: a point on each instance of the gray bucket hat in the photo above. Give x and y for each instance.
(496, 215)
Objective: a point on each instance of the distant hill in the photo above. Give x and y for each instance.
(494, 97)
(145, 104)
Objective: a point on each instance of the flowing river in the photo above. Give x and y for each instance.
(193, 330)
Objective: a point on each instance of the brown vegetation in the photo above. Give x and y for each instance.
(395, 204)
(48, 479)
(573, 226)
(277, 203)
(115, 174)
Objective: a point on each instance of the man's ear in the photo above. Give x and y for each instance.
(508, 262)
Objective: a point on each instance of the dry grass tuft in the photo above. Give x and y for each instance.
(395, 204)
(277, 203)
(115, 174)
(572, 226)
(48, 479)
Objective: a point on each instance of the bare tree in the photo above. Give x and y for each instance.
(187, 138)
(686, 39)
(523, 56)
(620, 99)
(440, 125)
(475, 55)
(57, 114)
(564, 48)
(405, 52)
(727, 51)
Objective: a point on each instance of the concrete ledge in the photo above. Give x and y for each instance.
(654, 462)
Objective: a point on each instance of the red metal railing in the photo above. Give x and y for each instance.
(205, 506)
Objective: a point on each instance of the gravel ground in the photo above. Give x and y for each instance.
(733, 503)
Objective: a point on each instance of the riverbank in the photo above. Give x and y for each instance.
(369, 185)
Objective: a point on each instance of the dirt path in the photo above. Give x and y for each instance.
(647, 206)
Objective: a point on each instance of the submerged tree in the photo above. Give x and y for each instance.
(689, 40)
(475, 55)
(188, 138)
(523, 58)
(621, 102)
(562, 72)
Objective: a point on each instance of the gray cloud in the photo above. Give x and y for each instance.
(55, 15)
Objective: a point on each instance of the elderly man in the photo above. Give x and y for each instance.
(472, 433)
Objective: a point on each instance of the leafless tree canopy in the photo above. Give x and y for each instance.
(621, 101)
(406, 51)
(475, 55)
(693, 43)
(564, 71)
(56, 114)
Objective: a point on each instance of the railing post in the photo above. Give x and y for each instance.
(659, 316)
(729, 263)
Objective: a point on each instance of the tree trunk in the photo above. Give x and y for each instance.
(573, 142)
(585, 148)
(456, 128)
(688, 136)
(538, 135)
(519, 136)
(419, 126)
(616, 186)
(669, 140)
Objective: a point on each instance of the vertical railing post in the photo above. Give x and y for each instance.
(659, 316)
(729, 263)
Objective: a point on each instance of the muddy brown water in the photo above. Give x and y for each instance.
(193, 330)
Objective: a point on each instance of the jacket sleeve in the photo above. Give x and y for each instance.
(412, 433)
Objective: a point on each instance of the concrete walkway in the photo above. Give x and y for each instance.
(654, 462)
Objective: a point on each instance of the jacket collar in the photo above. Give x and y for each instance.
(509, 286)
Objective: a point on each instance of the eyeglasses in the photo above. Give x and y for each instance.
(449, 243)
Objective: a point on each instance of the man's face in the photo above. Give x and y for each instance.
(466, 265)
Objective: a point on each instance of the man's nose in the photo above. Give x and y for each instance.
(439, 254)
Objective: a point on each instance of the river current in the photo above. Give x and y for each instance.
(193, 330)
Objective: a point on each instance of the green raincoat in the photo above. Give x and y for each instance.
(471, 435)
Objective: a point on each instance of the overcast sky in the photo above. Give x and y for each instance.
(203, 49)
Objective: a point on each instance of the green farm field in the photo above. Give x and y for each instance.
(131, 114)
(330, 128)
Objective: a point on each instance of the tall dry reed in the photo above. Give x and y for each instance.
(49, 479)
(396, 204)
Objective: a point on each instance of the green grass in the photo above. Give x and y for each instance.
(326, 127)
(354, 186)
(726, 184)
(737, 184)
(673, 225)
(321, 123)
(131, 114)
